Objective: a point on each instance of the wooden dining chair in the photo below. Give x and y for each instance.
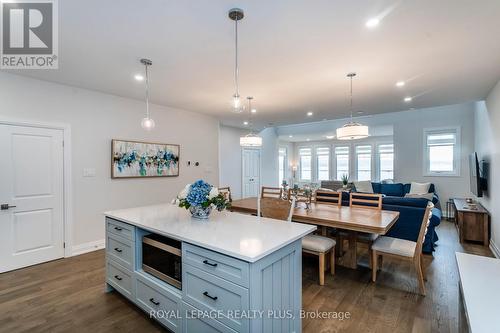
(311, 244)
(226, 191)
(328, 197)
(366, 200)
(271, 192)
(363, 200)
(275, 208)
(404, 249)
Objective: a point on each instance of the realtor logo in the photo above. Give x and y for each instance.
(29, 34)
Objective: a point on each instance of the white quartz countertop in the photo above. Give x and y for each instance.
(480, 284)
(245, 237)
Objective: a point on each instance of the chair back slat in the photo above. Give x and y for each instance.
(271, 192)
(226, 191)
(426, 220)
(328, 197)
(366, 200)
(276, 208)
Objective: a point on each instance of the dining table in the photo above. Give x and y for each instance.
(352, 220)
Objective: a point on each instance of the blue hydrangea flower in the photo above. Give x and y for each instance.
(198, 193)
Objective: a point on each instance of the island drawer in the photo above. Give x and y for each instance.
(208, 292)
(220, 265)
(192, 322)
(119, 228)
(119, 278)
(120, 250)
(159, 301)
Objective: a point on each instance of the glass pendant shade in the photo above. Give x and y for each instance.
(251, 140)
(352, 131)
(147, 123)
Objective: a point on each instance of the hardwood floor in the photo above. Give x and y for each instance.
(68, 295)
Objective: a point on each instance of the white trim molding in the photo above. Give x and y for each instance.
(494, 248)
(88, 247)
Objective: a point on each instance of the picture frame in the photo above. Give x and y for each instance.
(142, 159)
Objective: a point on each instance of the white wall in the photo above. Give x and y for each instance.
(230, 159)
(487, 130)
(408, 127)
(96, 118)
(269, 157)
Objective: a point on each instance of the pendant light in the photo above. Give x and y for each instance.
(236, 15)
(147, 122)
(352, 130)
(251, 139)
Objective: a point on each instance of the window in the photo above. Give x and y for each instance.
(342, 161)
(282, 163)
(364, 162)
(323, 163)
(386, 161)
(305, 163)
(441, 152)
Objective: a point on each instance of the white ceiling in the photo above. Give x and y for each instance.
(294, 55)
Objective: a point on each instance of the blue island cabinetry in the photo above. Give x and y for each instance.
(219, 293)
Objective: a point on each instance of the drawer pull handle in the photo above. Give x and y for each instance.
(211, 297)
(118, 250)
(118, 277)
(206, 262)
(152, 300)
(118, 229)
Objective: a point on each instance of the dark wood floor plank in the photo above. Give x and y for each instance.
(68, 296)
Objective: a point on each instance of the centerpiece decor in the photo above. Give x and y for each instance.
(200, 198)
(345, 180)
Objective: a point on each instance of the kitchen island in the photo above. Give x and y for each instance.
(230, 273)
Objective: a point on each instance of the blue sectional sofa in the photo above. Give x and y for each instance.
(411, 212)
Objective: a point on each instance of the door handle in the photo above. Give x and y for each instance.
(5, 206)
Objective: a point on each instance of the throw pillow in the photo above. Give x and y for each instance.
(364, 186)
(427, 196)
(419, 188)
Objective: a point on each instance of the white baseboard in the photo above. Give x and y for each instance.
(494, 248)
(88, 247)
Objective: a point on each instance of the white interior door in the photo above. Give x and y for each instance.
(251, 172)
(31, 194)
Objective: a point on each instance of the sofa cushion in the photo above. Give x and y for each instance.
(428, 196)
(407, 187)
(419, 188)
(363, 186)
(376, 187)
(410, 202)
(395, 190)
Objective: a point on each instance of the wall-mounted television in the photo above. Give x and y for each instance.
(478, 175)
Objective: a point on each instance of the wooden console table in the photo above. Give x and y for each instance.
(473, 224)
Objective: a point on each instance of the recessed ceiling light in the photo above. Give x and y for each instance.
(330, 136)
(309, 114)
(408, 99)
(290, 136)
(245, 123)
(138, 77)
(400, 83)
(254, 110)
(308, 139)
(361, 112)
(372, 23)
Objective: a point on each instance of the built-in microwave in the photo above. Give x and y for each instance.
(161, 257)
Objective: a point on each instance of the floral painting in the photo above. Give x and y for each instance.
(132, 159)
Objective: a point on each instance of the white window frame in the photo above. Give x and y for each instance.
(349, 161)
(355, 159)
(315, 175)
(300, 164)
(377, 159)
(456, 152)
